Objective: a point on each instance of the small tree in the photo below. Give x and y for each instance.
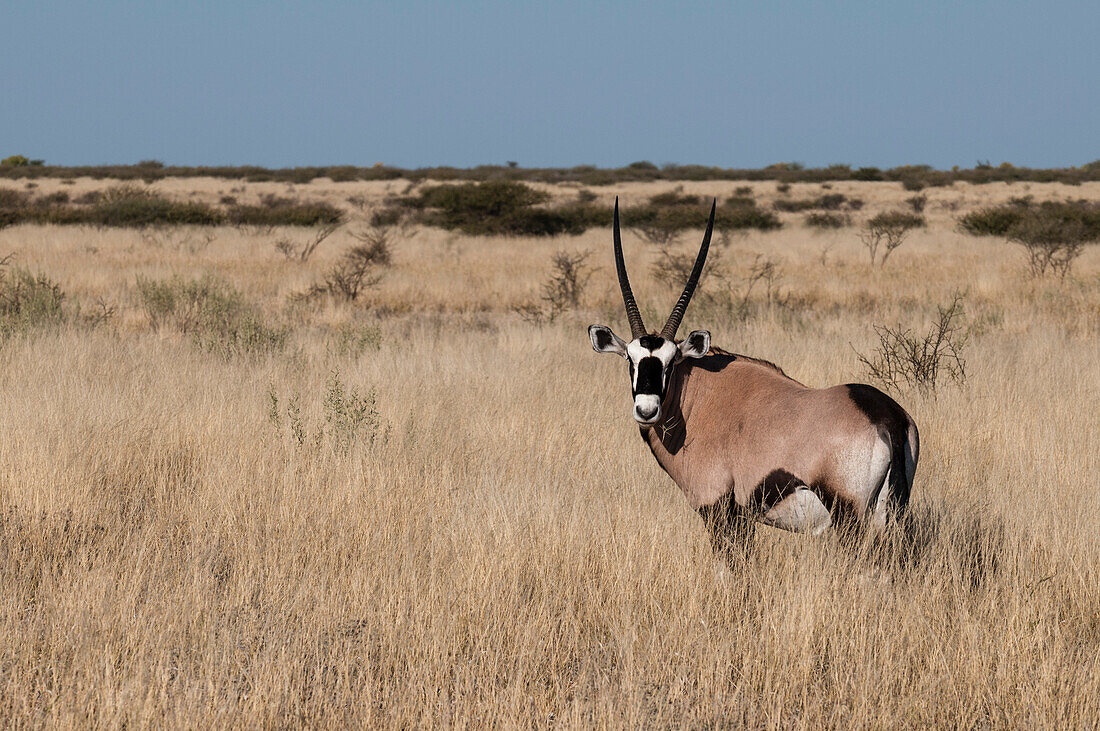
(360, 268)
(917, 203)
(904, 359)
(889, 231)
(672, 269)
(657, 232)
(562, 291)
(386, 227)
(303, 252)
(1052, 242)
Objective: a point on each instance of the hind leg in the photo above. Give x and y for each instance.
(893, 497)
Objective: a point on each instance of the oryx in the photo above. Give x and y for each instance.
(745, 442)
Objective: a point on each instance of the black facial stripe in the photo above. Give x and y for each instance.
(650, 371)
(651, 342)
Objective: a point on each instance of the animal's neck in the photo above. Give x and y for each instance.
(667, 438)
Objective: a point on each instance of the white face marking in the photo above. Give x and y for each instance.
(667, 353)
(635, 351)
(647, 406)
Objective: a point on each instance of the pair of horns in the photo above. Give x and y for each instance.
(637, 327)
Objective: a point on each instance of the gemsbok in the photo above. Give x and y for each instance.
(746, 443)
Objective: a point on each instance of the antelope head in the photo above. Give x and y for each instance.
(652, 357)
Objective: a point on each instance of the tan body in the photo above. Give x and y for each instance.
(737, 432)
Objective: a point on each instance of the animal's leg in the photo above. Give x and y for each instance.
(893, 496)
(884, 512)
(731, 530)
(801, 511)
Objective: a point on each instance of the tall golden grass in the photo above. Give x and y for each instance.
(192, 540)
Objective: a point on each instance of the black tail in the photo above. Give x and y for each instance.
(899, 475)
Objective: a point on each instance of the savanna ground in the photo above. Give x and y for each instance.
(422, 509)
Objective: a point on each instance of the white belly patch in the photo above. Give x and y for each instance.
(801, 511)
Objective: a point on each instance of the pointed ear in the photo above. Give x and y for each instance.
(605, 341)
(695, 345)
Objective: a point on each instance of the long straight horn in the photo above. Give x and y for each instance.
(669, 331)
(637, 327)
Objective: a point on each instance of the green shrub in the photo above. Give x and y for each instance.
(501, 208)
(740, 217)
(351, 340)
(867, 173)
(1080, 214)
(826, 220)
(828, 202)
(1002, 220)
(991, 221)
(674, 198)
(125, 205)
(246, 334)
(1054, 234)
(487, 199)
(343, 173)
(660, 224)
(212, 312)
(793, 205)
(58, 198)
(897, 219)
(28, 301)
(284, 212)
(485, 208)
(133, 207)
(12, 199)
(917, 202)
(350, 418)
(11, 207)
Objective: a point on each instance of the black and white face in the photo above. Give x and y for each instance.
(651, 360)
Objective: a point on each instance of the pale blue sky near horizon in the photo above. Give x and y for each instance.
(424, 83)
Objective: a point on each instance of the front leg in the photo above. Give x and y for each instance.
(730, 528)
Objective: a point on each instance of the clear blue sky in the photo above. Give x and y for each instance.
(554, 84)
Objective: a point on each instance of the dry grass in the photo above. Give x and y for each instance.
(502, 549)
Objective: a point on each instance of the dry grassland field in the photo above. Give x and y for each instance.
(422, 509)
